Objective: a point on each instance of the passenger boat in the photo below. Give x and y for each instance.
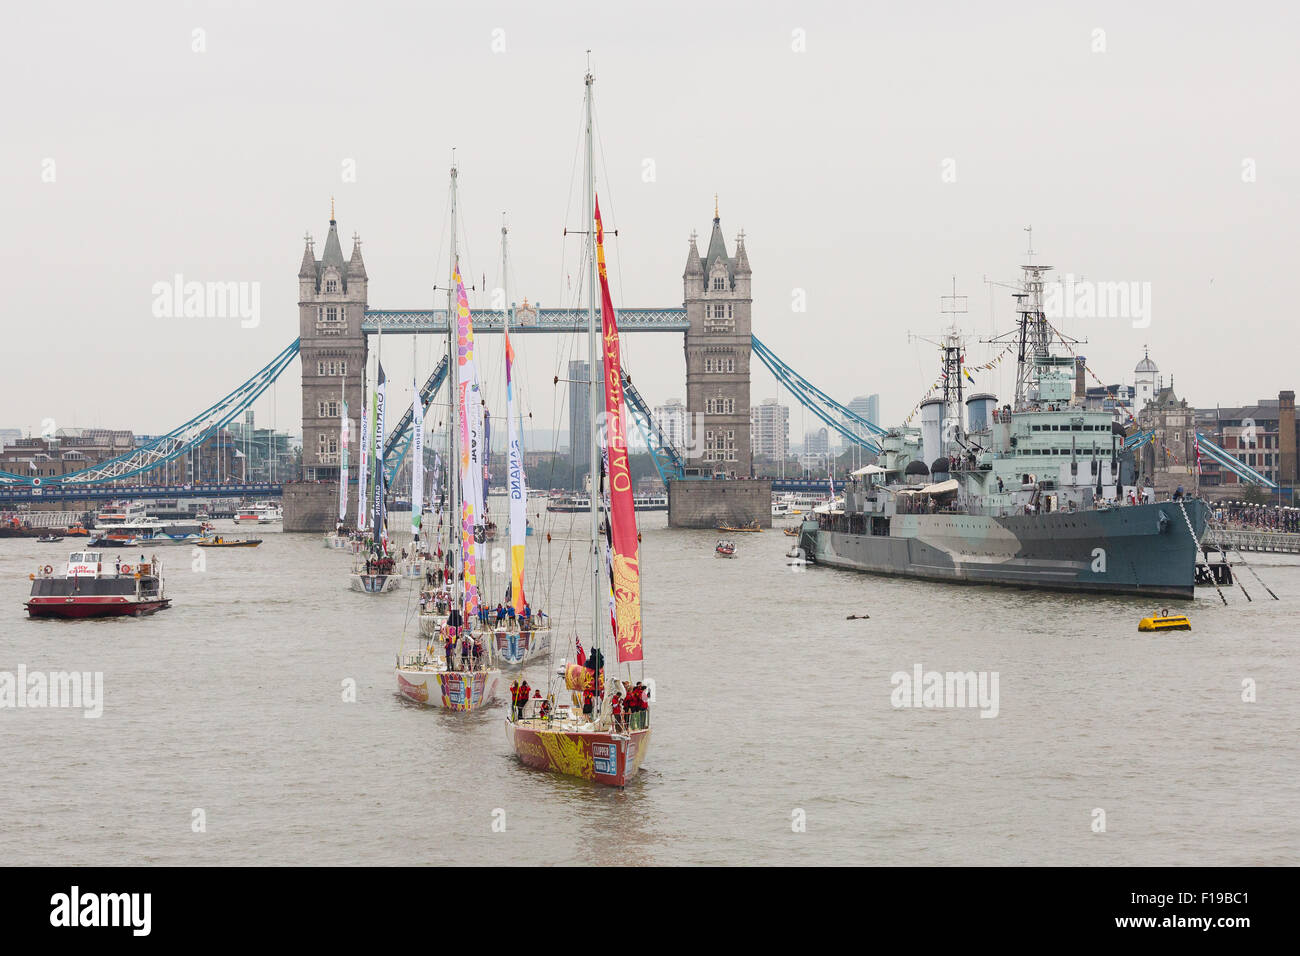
(725, 549)
(91, 587)
(134, 532)
(454, 668)
(577, 504)
(77, 530)
(594, 739)
(732, 529)
(260, 513)
(1164, 621)
(221, 542)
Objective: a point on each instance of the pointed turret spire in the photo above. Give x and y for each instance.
(356, 266)
(694, 265)
(308, 268)
(741, 262)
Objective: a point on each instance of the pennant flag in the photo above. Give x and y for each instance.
(417, 462)
(518, 489)
(379, 534)
(622, 510)
(470, 423)
(366, 439)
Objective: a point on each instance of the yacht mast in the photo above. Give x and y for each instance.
(453, 419)
(594, 394)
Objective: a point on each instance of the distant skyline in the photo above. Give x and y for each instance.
(870, 154)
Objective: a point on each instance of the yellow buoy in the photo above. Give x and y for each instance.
(1165, 622)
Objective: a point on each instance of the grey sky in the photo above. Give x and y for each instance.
(1127, 162)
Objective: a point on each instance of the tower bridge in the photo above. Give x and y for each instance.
(707, 480)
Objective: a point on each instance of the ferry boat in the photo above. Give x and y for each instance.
(1028, 494)
(581, 503)
(133, 532)
(92, 587)
(260, 513)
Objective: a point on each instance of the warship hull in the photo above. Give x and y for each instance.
(1146, 550)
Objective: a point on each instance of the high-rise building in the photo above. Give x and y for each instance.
(580, 413)
(670, 422)
(718, 302)
(769, 426)
(868, 407)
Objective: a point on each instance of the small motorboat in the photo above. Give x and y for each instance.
(752, 527)
(221, 542)
(49, 539)
(725, 549)
(1164, 621)
(790, 532)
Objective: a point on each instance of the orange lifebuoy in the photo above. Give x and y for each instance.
(125, 569)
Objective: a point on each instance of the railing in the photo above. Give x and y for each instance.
(1274, 541)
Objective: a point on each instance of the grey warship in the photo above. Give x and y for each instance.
(1028, 494)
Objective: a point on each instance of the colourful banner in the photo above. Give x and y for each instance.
(379, 532)
(344, 427)
(470, 423)
(518, 489)
(622, 509)
(363, 473)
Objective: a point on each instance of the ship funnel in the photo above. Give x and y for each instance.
(932, 429)
(979, 411)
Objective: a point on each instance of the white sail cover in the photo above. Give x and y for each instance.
(417, 462)
(344, 427)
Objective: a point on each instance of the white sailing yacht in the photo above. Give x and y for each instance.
(604, 734)
(455, 670)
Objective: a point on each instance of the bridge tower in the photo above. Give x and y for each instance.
(332, 297)
(718, 302)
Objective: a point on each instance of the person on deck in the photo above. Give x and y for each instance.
(478, 655)
(510, 615)
(616, 708)
(449, 649)
(514, 700)
(501, 614)
(465, 652)
(588, 701)
(524, 690)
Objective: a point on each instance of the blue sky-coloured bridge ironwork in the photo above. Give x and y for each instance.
(522, 320)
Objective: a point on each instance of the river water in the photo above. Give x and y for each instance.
(776, 738)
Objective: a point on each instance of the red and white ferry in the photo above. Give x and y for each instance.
(92, 587)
